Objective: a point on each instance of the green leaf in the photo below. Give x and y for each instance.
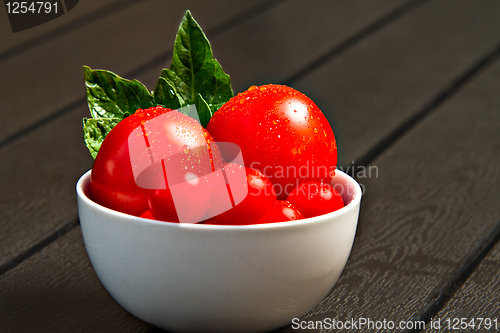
(194, 70)
(95, 130)
(194, 78)
(110, 96)
(203, 109)
(215, 107)
(166, 95)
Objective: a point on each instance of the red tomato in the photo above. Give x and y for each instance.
(282, 212)
(113, 183)
(315, 198)
(281, 132)
(148, 215)
(259, 200)
(190, 204)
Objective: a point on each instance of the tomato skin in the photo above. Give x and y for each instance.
(148, 215)
(282, 212)
(315, 198)
(259, 200)
(281, 132)
(113, 184)
(192, 201)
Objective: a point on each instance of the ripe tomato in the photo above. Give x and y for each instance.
(113, 183)
(315, 198)
(283, 211)
(148, 215)
(281, 132)
(259, 200)
(191, 200)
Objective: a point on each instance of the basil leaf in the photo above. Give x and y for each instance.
(194, 70)
(95, 130)
(194, 78)
(203, 109)
(215, 107)
(166, 95)
(110, 96)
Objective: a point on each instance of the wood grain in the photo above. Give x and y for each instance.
(57, 290)
(479, 297)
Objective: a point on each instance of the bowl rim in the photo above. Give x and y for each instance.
(84, 180)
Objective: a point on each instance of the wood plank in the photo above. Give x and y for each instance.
(38, 179)
(481, 293)
(64, 294)
(434, 201)
(280, 42)
(49, 77)
(388, 77)
(21, 202)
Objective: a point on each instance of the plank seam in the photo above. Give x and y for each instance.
(16, 261)
(460, 277)
(385, 20)
(25, 131)
(435, 102)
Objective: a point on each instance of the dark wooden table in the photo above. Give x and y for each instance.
(411, 88)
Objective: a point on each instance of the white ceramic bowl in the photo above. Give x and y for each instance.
(210, 278)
